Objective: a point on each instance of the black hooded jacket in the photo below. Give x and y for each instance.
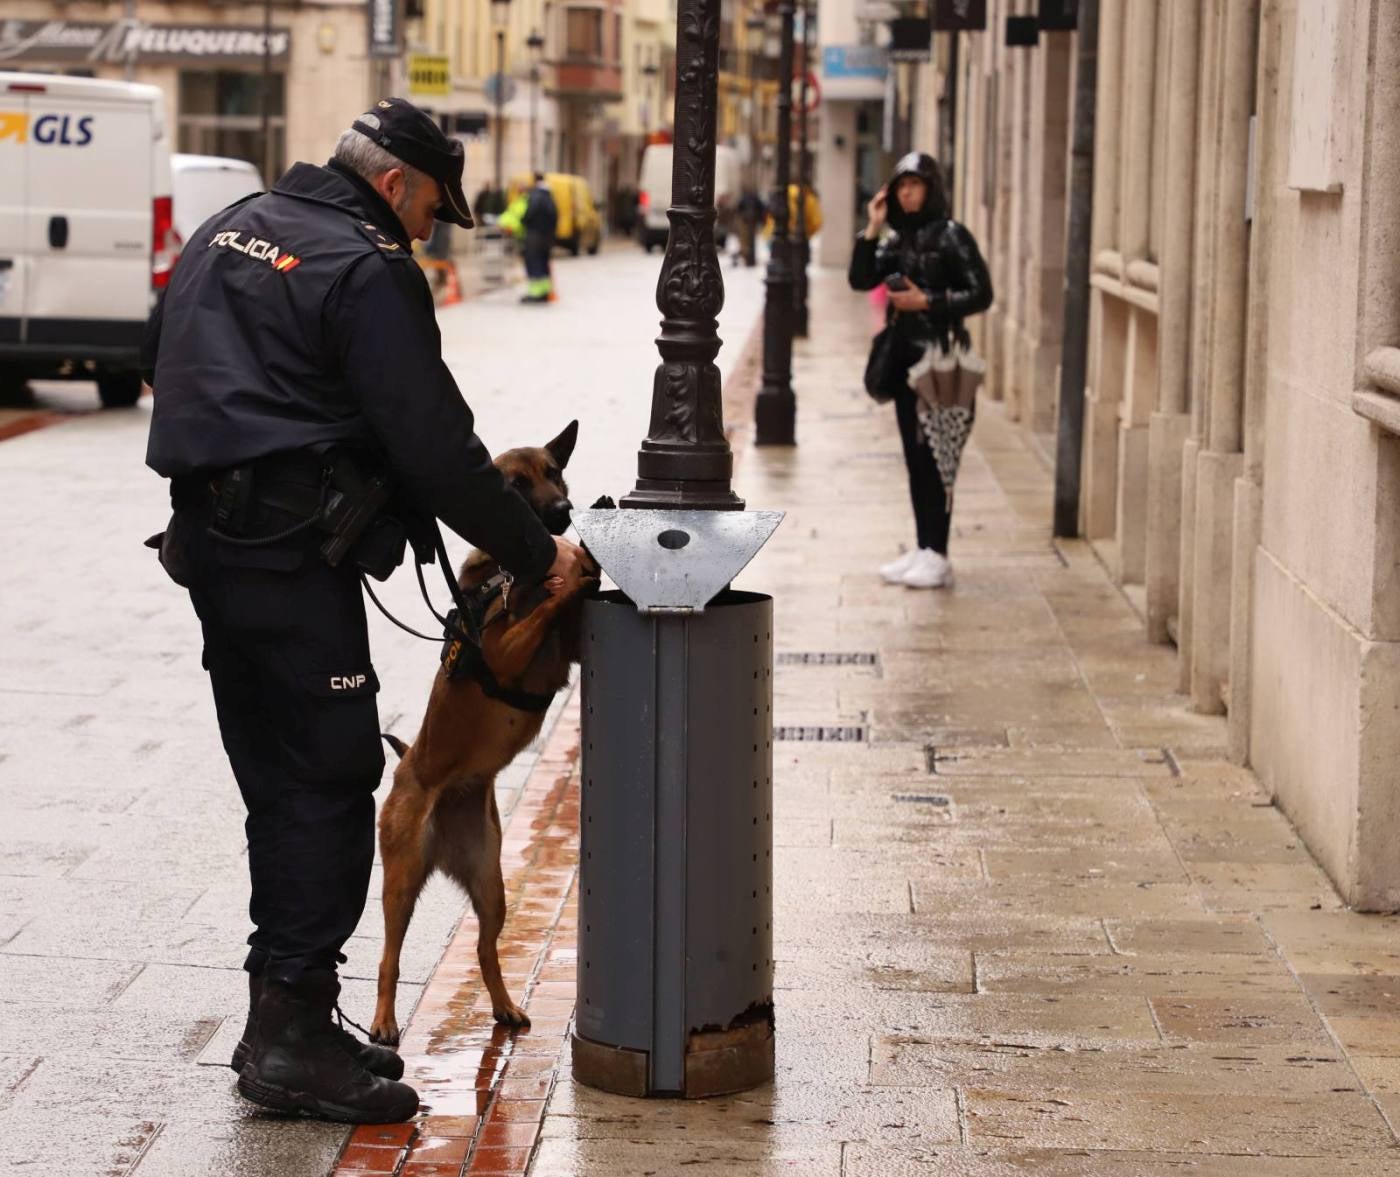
(298, 320)
(933, 252)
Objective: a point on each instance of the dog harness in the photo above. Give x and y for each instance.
(462, 655)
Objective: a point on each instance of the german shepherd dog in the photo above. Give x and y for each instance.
(441, 812)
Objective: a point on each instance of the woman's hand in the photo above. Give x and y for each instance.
(912, 299)
(877, 210)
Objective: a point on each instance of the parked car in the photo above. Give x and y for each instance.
(654, 193)
(206, 184)
(580, 224)
(87, 235)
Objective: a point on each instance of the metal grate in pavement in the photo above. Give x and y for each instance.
(851, 734)
(828, 658)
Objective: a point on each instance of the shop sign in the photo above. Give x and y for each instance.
(385, 28)
(101, 42)
(960, 16)
(854, 61)
(1058, 16)
(911, 39)
(429, 74)
(1022, 32)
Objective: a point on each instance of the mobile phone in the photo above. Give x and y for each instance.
(896, 282)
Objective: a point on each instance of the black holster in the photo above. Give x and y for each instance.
(329, 492)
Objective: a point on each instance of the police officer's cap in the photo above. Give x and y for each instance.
(411, 135)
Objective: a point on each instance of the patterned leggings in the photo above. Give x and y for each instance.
(933, 516)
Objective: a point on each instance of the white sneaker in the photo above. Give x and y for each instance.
(894, 571)
(928, 570)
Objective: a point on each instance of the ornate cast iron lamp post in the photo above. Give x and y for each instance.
(675, 967)
(775, 407)
(500, 16)
(800, 246)
(685, 461)
(535, 43)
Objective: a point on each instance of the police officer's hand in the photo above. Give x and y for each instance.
(570, 569)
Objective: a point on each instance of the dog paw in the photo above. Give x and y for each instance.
(384, 1033)
(511, 1014)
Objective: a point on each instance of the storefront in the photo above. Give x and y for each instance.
(216, 73)
(852, 157)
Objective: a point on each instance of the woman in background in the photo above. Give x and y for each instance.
(936, 277)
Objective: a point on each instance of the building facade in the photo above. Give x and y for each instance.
(1241, 466)
(209, 61)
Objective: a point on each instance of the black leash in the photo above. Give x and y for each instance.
(461, 640)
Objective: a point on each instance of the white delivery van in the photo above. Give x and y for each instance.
(202, 185)
(654, 193)
(87, 239)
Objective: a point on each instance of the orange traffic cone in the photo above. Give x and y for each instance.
(452, 292)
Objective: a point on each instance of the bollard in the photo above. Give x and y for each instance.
(675, 977)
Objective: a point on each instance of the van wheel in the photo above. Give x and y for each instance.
(593, 249)
(119, 390)
(574, 246)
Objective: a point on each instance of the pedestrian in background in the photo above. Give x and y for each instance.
(935, 276)
(751, 211)
(541, 221)
(297, 365)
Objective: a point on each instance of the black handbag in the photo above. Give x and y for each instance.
(883, 368)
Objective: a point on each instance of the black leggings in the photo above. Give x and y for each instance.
(933, 515)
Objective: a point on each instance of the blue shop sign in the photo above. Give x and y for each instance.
(868, 62)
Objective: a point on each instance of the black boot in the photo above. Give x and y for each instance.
(299, 1062)
(377, 1060)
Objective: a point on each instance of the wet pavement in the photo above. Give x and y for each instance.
(1028, 920)
(1031, 921)
(122, 874)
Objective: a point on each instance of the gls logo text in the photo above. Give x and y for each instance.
(52, 130)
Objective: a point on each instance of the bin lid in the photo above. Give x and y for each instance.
(674, 561)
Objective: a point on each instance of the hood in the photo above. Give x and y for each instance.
(923, 165)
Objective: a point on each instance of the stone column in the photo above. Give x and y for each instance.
(1170, 425)
(1138, 373)
(1221, 459)
(1099, 496)
(1052, 78)
(1202, 297)
(1269, 166)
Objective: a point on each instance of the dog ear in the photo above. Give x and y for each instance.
(562, 447)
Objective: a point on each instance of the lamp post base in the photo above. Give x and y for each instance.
(775, 416)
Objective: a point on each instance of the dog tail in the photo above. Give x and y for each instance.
(395, 743)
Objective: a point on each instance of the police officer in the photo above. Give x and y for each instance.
(297, 368)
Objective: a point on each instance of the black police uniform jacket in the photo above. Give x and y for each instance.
(298, 320)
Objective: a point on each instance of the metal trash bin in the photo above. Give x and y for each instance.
(675, 976)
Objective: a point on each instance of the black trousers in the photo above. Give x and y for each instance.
(287, 651)
(933, 515)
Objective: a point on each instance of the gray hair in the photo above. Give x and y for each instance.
(362, 155)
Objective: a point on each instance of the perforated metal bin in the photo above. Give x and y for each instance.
(675, 973)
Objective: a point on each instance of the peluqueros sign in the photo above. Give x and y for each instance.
(120, 41)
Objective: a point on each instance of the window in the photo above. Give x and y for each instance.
(583, 33)
(221, 114)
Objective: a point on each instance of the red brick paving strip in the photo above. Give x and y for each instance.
(484, 1088)
(22, 423)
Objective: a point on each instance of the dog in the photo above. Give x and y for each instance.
(441, 812)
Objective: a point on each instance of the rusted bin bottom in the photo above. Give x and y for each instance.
(675, 971)
(718, 1062)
